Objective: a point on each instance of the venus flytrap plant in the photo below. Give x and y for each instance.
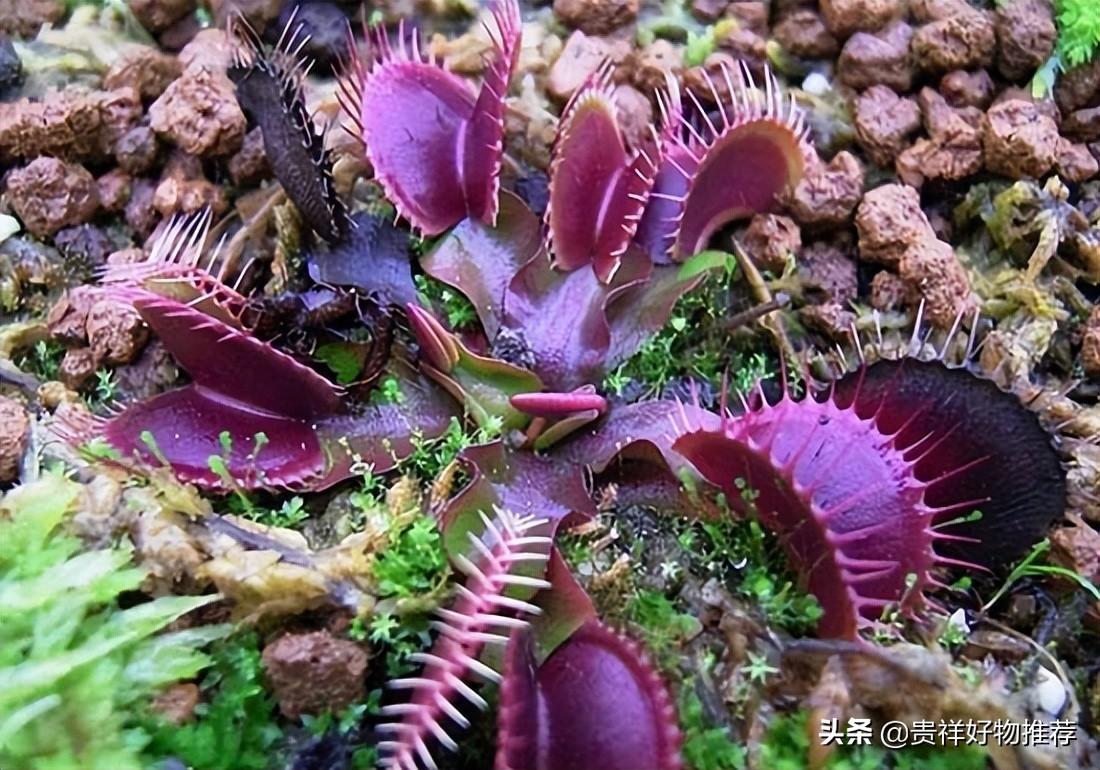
(270, 88)
(267, 420)
(865, 481)
(484, 613)
(595, 701)
(598, 187)
(617, 216)
(451, 168)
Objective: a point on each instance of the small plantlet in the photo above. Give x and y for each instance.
(662, 626)
(706, 747)
(98, 449)
(43, 360)
(1029, 567)
(414, 562)
(389, 391)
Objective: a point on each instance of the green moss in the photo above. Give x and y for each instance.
(235, 727)
(693, 344)
(1078, 31)
(414, 562)
(342, 359)
(661, 624)
(75, 667)
(430, 456)
(290, 514)
(706, 746)
(458, 310)
(43, 360)
(751, 559)
(787, 743)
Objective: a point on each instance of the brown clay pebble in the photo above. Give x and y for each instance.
(209, 50)
(889, 292)
(1079, 87)
(770, 240)
(152, 372)
(116, 332)
(968, 89)
(48, 194)
(803, 33)
(259, 13)
(828, 194)
(889, 221)
(895, 232)
(140, 214)
(929, 159)
(314, 673)
(954, 147)
(578, 59)
(830, 318)
(249, 165)
(145, 69)
(136, 150)
(114, 190)
(1025, 36)
(925, 11)
(650, 67)
(961, 41)
(933, 269)
(70, 124)
(1018, 140)
(596, 17)
(1077, 548)
(1083, 125)
(77, 367)
(750, 14)
(828, 272)
(1074, 162)
(183, 187)
(708, 78)
(14, 433)
(708, 10)
(844, 17)
(200, 114)
(745, 46)
(158, 15)
(878, 59)
(884, 122)
(84, 245)
(23, 18)
(1046, 106)
(68, 316)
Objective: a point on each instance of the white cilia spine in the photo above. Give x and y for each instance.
(481, 614)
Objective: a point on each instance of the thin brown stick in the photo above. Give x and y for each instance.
(763, 295)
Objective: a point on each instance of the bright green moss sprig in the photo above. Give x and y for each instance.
(1078, 31)
(235, 726)
(76, 668)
